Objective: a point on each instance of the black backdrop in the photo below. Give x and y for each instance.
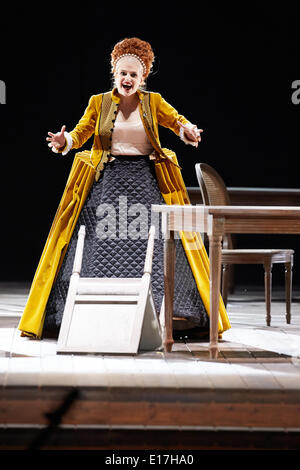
(227, 68)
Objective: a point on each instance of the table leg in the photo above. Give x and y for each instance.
(215, 253)
(288, 289)
(268, 290)
(169, 273)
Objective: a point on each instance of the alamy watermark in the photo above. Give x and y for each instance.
(123, 221)
(2, 92)
(295, 94)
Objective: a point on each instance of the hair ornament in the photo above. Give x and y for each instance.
(136, 57)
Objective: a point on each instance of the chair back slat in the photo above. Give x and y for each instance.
(212, 186)
(213, 191)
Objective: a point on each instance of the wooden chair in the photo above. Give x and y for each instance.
(110, 315)
(214, 192)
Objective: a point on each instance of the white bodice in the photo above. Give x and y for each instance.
(130, 138)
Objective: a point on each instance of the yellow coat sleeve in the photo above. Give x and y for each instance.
(87, 124)
(167, 116)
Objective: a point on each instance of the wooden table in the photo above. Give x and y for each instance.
(216, 221)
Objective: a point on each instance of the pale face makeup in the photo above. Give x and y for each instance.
(128, 76)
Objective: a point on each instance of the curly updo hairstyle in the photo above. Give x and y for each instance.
(137, 47)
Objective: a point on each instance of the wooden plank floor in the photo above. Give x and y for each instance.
(253, 386)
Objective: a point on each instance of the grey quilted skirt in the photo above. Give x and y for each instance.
(117, 216)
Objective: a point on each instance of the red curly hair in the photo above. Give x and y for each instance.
(134, 46)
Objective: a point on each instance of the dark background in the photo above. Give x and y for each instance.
(226, 67)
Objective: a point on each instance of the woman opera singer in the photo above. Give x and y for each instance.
(126, 161)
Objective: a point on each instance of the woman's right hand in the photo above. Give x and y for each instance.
(57, 140)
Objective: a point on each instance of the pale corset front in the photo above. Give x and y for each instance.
(130, 138)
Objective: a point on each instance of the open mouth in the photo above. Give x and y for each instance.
(127, 86)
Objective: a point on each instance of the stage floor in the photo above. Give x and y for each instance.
(253, 386)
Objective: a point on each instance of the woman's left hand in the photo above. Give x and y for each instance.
(192, 133)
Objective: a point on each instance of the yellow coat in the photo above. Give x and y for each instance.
(98, 119)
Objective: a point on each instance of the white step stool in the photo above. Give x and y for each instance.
(110, 315)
